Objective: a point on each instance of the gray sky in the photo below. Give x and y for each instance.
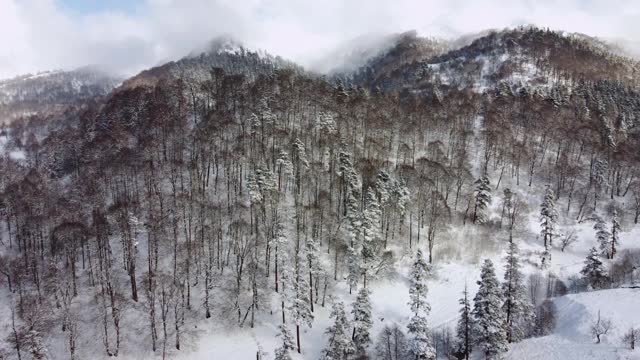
(129, 35)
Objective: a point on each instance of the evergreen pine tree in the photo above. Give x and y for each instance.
(351, 209)
(283, 352)
(599, 175)
(351, 194)
(603, 236)
(326, 123)
(593, 271)
(340, 346)
(371, 232)
(300, 307)
(489, 320)
(548, 222)
(354, 268)
(615, 232)
(300, 161)
(362, 321)
(284, 167)
(465, 325)
(517, 305)
(418, 327)
(482, 195)
(261, 185)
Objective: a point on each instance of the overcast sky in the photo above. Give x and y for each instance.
(129, 35)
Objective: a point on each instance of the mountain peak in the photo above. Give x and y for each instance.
(220, 44)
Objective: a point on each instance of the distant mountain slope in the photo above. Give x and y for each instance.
(48, 91)
(528, 55)
(407, 48)
(224, 53)
(369, 56)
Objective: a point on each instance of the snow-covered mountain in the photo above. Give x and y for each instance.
(52, 91)
(231, 204)
(371, 55)
(525, 55)
(223, 53)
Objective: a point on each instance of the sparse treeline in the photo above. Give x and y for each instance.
(213, 194)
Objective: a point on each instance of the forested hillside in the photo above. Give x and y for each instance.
(52, 91)
(238, 189)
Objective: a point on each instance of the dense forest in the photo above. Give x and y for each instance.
(207, 190)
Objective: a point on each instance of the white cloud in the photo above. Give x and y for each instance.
(40, 35)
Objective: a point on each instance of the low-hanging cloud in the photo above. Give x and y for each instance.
(40, 35)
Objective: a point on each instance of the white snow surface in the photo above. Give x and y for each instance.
(572, 338)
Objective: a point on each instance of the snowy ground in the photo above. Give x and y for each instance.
(572, 340)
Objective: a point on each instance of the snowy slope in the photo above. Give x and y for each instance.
(390, 297)
(572, 340)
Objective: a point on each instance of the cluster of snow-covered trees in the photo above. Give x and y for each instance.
(501, 313)
(351, 339)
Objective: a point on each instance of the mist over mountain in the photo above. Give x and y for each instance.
(403, 197)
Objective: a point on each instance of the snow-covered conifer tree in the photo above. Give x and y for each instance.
(548, 218)
(362, 321)
(383, 186)
(615, 233)
(283, 352)
(599, 175)
(593, 271)
(301, 305)
(351, 208)
(464, 342)
(603, 236)
(517, 305)
(370, 234)
(326, 123)
(351, 196)
(489, 331)
(285, 168)
(340, 346)
(300, 161)
(354, 267)
(261, 184)
(418, 327)
(482, 195)
(400, 193)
